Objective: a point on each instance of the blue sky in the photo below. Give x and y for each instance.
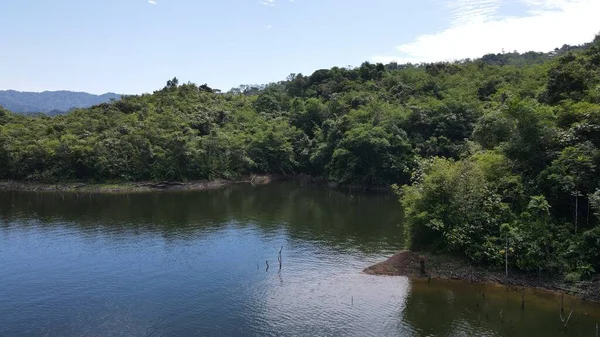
(134, 46)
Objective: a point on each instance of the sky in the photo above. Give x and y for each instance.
(135, 46)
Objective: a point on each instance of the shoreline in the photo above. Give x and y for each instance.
(161, 186)
(444, 267)
(130, 187)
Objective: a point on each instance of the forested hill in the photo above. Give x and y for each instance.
(368, 125)
(503, 150)
(50, 102)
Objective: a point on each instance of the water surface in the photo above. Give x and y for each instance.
(195, 264)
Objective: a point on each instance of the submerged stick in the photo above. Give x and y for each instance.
(279, 258)
(267, 262)
(568, 318)
(562, 318)
(562, 303)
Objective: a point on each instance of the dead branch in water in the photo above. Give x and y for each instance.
(279, 258)
(568, 318)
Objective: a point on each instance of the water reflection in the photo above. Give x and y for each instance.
(452, 308)
(356, 221)
(193, 264)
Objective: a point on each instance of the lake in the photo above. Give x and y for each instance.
(195, 264)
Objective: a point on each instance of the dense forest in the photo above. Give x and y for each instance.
(494, 159)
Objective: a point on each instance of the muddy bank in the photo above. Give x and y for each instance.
(131, 187)
(407, 263)
(151, 186)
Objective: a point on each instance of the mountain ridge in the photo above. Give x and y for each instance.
(51, 102)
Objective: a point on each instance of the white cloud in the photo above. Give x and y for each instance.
(268, 27)
(477, 28)
(152, 2)
(463, 11)
(267, 2)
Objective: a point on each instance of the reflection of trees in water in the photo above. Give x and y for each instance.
(358, 221)
(451, 308)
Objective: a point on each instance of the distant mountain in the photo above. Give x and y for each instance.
(50, 102)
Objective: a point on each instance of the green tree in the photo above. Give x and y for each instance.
(271, 149)
(573, 174)
(453, 207)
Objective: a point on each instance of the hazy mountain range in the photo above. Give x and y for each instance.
(50, 102)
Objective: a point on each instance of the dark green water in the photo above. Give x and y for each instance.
(193, 264)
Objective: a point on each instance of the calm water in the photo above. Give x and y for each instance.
(194, 264)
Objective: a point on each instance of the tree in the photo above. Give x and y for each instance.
(4, 116)
(532, 135)
(573, 173)
(371, 155)
(271, 149)
(453, 207)
(308, 115)
(267, 103)
(493, 129)
(173, 83)
(595, 202)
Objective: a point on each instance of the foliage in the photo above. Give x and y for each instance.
(458, 206)
(532, 171)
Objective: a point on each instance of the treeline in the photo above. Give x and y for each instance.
(500, 148)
